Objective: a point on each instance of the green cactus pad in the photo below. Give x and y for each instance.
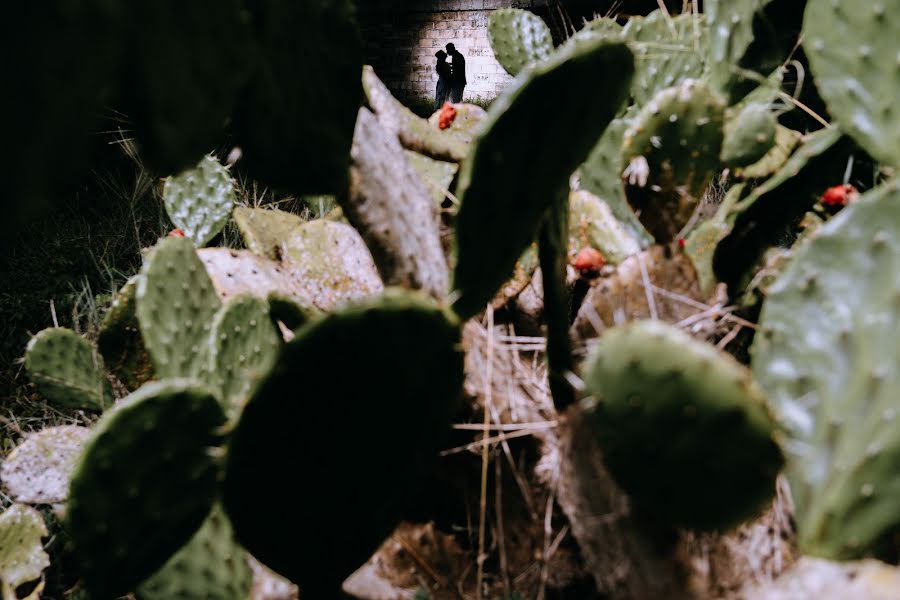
(592, 225)
(246, 346)
(786, 141)
(355, 426)
(22, 556)
(827, 355)
(120, 342)
(600, 175)
(667, 50)
(67, 370)
(671, 152)
(176, 303)
(39, 469)
(264, 230)
(209, 567)
(682, 427)
(200, 200)
(145, 482)
(181, 80)
(515, 168)
(437, 175)
(519, 38)
(749, 135)
(295, 121)
(853, 50)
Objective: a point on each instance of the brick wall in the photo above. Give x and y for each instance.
(401, 39)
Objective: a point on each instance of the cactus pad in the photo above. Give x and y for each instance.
(39, 469)
(519, 38)
(176, 302)
(682, 427)
(853, 50)
(120, 340)
(672, 152)
(437, 175)
(145, 482)
(199, 201)
(592, 225)
(749, 135)
(22, 556)
(264, 230)
(209, 567)
(827, 355)
(246, 346)
(397, 427)
(515, 169)
(67, 370)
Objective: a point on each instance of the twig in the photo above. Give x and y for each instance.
(485, 451)
(498, 508)
(545, 558)
(648, 288)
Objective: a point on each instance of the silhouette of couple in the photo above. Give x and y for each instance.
(451, 77)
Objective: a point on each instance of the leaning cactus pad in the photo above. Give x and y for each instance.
(22, 556)
(853, 49)
(39, 469)
(515, 168)
(827, 355)
(519, 38)
(359, 403)
(682, 427)
(145, 482)
(749, 135)
(67, 370)
(200, 200)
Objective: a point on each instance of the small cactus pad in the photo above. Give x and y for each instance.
(667, 50)
(295, 121)
(682, 427)
(300, 424)
(671, 152)
(176, 302)
(786, 141)
(749, 135)
(515, 168)
(199, 201)
(120, 340)
(437, 175)
(592, 225)
(246, 346)
(39, 469)
(209, 567)
(854, 48)
(264, 229)
(827, 356)
(519, 38)
(67, 370)
(145, 482)
(22, 556)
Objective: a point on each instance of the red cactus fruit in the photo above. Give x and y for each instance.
(588, 260)
(681, 243)
(840, 195)
(448, 114)
(176, 233)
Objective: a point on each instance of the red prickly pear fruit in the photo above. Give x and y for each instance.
(176, 233)
(681, 243)
(447, 116)
(840, 195)
(588, 260)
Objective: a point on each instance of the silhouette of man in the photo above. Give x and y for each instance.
(457, 75)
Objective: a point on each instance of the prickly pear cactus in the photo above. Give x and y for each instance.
(397, 426)
(145, 482)
(39, 469)
(592, 225)
(853, 50)
(246, 345)
(515, 167)
(682, 427)
(786, 141)
(120, 342)
(22, 556)
(827, 356)
(672, 152)
(199, 201)
(749, 135)
(176, 303)
(67, 370)
(264, 230)
(519, 38)
(209, 567)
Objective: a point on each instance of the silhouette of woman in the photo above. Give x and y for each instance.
(443, 83)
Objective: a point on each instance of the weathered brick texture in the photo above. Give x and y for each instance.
(401, 42)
